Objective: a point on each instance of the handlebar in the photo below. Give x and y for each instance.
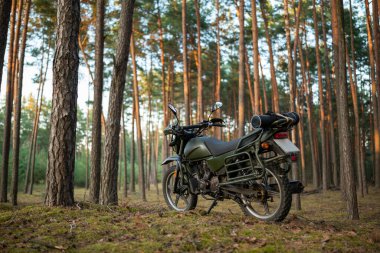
(267, 120)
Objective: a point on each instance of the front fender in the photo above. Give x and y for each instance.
(170, 159)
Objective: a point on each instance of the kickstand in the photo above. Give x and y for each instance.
(214, 203)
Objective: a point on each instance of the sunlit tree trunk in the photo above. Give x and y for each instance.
(291, 86)
(376, 96)
(8, 109)
(186, 86)
(199, 65)
(140, 154)
(249, 81)
(125, 189)
(164, 88)
(61, 155)
(241, 69)
(266, 105)
(96, 147)
(255, 44)
(276, 104)
(132, 180)
(17, 110)
(217, 131)
(346, 153)
(375, 112)
(5, 11)
(330, 117)
(111, 154)
(325, 174)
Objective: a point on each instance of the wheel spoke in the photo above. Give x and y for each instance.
(273, 193)
(266, 207)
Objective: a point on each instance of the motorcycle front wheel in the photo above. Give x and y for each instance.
(270, 201)
(181, 201)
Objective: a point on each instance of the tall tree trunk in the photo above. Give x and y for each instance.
(255, 44)
(96, 137)
(266, 105)
(354, 94)
(17, 110)
(375, 112)
(5, 11)
(156, 162)
(132, 180)
(108, 194)
(125, 190)
(165, 96)
(35, 130)
(186, 86)
(28, 168)
(61, 156)
(292, 87)
(87, 142)
(325, 172)
(249, 82)
(199, 65)
(342, 109)
(140, 154)
(330, 117)
(8, 109)
(218, 130)
(357, 125)
(241, 69)
(310, 112)
(276, 103)
(376, 96)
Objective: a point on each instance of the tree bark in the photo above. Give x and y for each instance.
(8, 109)
(266, 105)
(218, 130)
(186, 87)
(111, 152)
(96, 138)
(346, 153)
(17, 115)
(61, 156)
(125, 190)
(330, 117)
(255, 44)
(199, 66)
(140, 154)
(132, 180)
(375, 112)
(376, 37)
(292, 87)
(276, 103)
(5, 11)
(241, 69)
(325, 172)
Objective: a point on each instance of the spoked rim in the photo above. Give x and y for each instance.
(179, 202)
(271, 202)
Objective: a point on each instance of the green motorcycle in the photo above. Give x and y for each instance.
(251, 170)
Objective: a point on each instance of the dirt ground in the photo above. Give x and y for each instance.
(136, 226)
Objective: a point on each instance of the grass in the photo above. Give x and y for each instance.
(136, 226)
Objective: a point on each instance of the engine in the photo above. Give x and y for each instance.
(203, 179)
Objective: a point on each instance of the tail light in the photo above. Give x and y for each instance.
(281, 135)
(293, 157)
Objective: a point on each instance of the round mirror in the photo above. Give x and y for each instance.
(172, 108)
(216, 106)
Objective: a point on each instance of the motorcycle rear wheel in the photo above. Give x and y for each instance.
(180, 202)
(277, 197)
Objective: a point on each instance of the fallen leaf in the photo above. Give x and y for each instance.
(60, 247)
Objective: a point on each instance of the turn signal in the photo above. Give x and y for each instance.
(265, 145)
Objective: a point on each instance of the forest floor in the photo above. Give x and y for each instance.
(136, 226)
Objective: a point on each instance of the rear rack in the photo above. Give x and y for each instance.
(239, 168)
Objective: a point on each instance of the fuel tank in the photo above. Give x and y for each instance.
(196, 149)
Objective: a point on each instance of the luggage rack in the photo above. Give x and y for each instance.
(241, 162)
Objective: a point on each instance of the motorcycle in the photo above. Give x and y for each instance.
(252, 170)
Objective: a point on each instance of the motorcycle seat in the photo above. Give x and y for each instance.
(217, 147)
